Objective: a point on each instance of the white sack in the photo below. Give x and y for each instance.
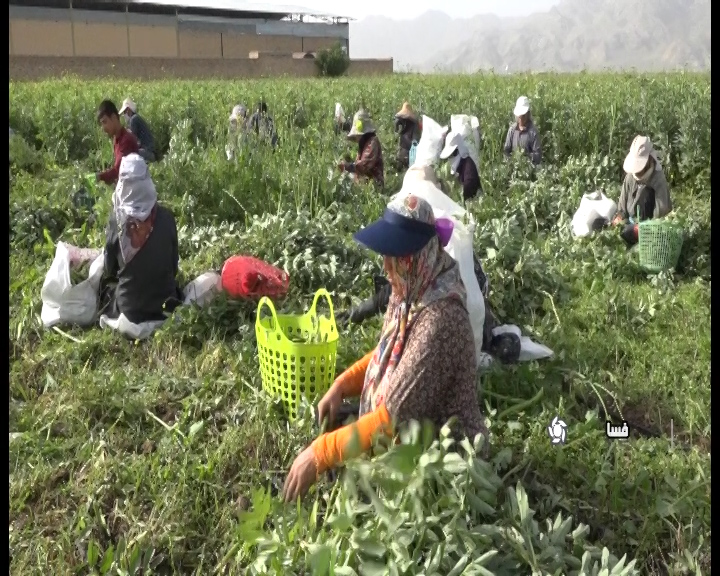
(592, 206)
(430, 144)
(64, 303)
(126, 328)
(203, 289)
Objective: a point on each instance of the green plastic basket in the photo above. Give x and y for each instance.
(659, 243)
(297, 354)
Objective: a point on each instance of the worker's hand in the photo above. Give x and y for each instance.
(303, 474)
(330, 404)
(341, 166)
(617, 220)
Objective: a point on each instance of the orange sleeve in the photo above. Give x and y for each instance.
(352, 380)
(336, 447)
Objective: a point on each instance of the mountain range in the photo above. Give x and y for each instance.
(645, 35)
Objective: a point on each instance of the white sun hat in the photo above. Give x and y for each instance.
(464, 136)
(522, 106)
(238, 112)
(640, 150)
(128, 105)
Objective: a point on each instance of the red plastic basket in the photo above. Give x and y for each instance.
(248, 277)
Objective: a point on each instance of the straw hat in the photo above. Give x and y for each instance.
(362, 124)
(640, 151)
(406, 112)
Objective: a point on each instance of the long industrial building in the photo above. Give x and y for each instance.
(79, 33)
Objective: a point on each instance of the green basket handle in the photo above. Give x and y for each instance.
(313, 308)
(265, 301)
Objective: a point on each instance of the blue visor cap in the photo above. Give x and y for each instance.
(396, 235)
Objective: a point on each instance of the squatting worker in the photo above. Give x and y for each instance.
(423, 367)
(124, 141)
(141, 249)
(137, 125)
(522, 134)
(645, 192)
(369, 162)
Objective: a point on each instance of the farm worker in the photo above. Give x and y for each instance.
(263, 124)
(124, 141)
(645, 192)
(141, 248)
(522, 134)
(369, 161)
(423, 367)
(137, 125)
(238, 117)
(409, 128)
(462, 144)
(341, 123)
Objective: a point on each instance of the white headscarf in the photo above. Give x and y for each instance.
(135, 196)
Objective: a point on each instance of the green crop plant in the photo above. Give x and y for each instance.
(166, 456)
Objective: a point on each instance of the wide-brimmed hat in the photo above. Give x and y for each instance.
(362, 124)
(463, 136)
(396, 235)
(522, 106)
(640, 151)
(406, 112)
(128, 105)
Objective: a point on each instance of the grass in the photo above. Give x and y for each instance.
(163, 453)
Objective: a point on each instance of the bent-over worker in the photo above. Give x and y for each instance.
(522, 135)
(423, 367)
(137, 125)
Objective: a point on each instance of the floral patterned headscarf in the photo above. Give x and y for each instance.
(417, 281)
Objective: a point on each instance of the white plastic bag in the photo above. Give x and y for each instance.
(203, 289)
(430, 144)
(339, 113)
(64, 303)
(460, 248)
(592, 206)
(125, 327)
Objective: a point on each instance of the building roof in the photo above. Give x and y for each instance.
(238, 6)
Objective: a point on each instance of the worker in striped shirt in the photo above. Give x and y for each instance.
(137, 125)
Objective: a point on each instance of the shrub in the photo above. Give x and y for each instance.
(333, 61)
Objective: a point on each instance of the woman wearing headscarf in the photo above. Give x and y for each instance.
(522, 134)
(262, 124)
(369, 162)
(645, 192)
(141, 249)
(409, 129)
(462, 145)
(423, 367)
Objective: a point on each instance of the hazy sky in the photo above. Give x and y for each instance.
(409, 10)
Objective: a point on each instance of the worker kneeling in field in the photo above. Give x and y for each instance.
(369, 162)
(137, 125)
(141, 250)
(522, 135)
(124, 141)
(423, 368)
(408, 127)
(645, 191)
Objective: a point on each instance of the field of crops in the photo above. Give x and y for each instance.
(166, 455)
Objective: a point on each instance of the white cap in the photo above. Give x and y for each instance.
(522, 106)
(640, 151)
(238, 112)
(128, 105)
